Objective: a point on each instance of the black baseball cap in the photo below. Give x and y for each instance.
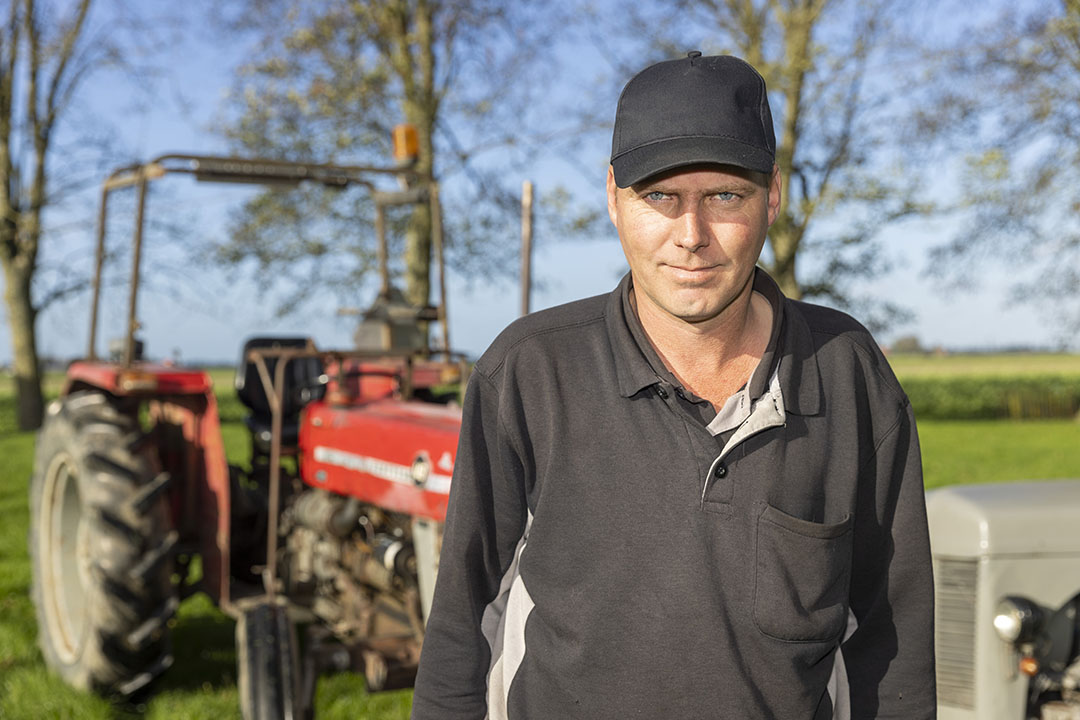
(690, 111)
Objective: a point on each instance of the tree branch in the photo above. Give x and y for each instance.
(67, 48)
(59, 293)
(840, 147)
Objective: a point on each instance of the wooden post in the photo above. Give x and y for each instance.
(381, 251)
(440, 258)
(526, 244)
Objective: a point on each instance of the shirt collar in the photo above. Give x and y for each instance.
(791, 344)
(759, 379)
(800, 379)
(632, 368)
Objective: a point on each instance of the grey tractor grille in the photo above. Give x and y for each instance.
(954, 586)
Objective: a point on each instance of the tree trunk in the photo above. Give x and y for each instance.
(785, 246)
(418, 233)
(30, 404)
(785, 235)
(418, 257)
(420, 110)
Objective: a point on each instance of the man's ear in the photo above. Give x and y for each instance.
(776, 186)
(611, 199)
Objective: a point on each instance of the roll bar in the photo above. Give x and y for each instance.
(263, 171)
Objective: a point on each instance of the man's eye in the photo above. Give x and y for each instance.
(655, 196)
(726, 196)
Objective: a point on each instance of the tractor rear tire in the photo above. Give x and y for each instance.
(101, 547)
(267, 666)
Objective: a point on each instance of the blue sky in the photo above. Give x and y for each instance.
(218, 309)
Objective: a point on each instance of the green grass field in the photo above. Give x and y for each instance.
(962, 452)
(202, 682)
(970, 365)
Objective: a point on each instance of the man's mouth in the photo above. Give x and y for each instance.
(692, 270)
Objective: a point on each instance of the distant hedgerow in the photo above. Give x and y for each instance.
(994, 398)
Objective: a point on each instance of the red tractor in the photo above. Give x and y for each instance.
(334, 526)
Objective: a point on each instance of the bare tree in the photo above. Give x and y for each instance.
(41, 67)
(1012, 110)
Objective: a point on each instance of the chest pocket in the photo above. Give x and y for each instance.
(802, 577)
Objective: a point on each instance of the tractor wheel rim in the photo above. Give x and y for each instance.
(66, 555)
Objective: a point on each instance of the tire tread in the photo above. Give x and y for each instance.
(130, 596)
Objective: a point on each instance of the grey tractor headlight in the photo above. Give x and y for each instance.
(1017, 619)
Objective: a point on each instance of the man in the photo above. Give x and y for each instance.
(691, 498)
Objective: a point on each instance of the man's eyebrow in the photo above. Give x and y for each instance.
(646, 186)
(743, 185)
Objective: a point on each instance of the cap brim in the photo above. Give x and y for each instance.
(643, 162)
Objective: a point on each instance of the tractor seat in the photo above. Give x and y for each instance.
(304, 382)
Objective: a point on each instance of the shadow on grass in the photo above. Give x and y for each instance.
(204, 649)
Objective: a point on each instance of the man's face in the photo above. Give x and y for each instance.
(692, 236)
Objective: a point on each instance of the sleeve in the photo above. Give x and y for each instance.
(485, 520)
(889, 657)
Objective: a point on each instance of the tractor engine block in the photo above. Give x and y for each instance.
(352, 564)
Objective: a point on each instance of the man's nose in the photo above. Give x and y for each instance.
(693, 231)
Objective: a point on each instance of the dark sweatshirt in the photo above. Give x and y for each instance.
(614, 551)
